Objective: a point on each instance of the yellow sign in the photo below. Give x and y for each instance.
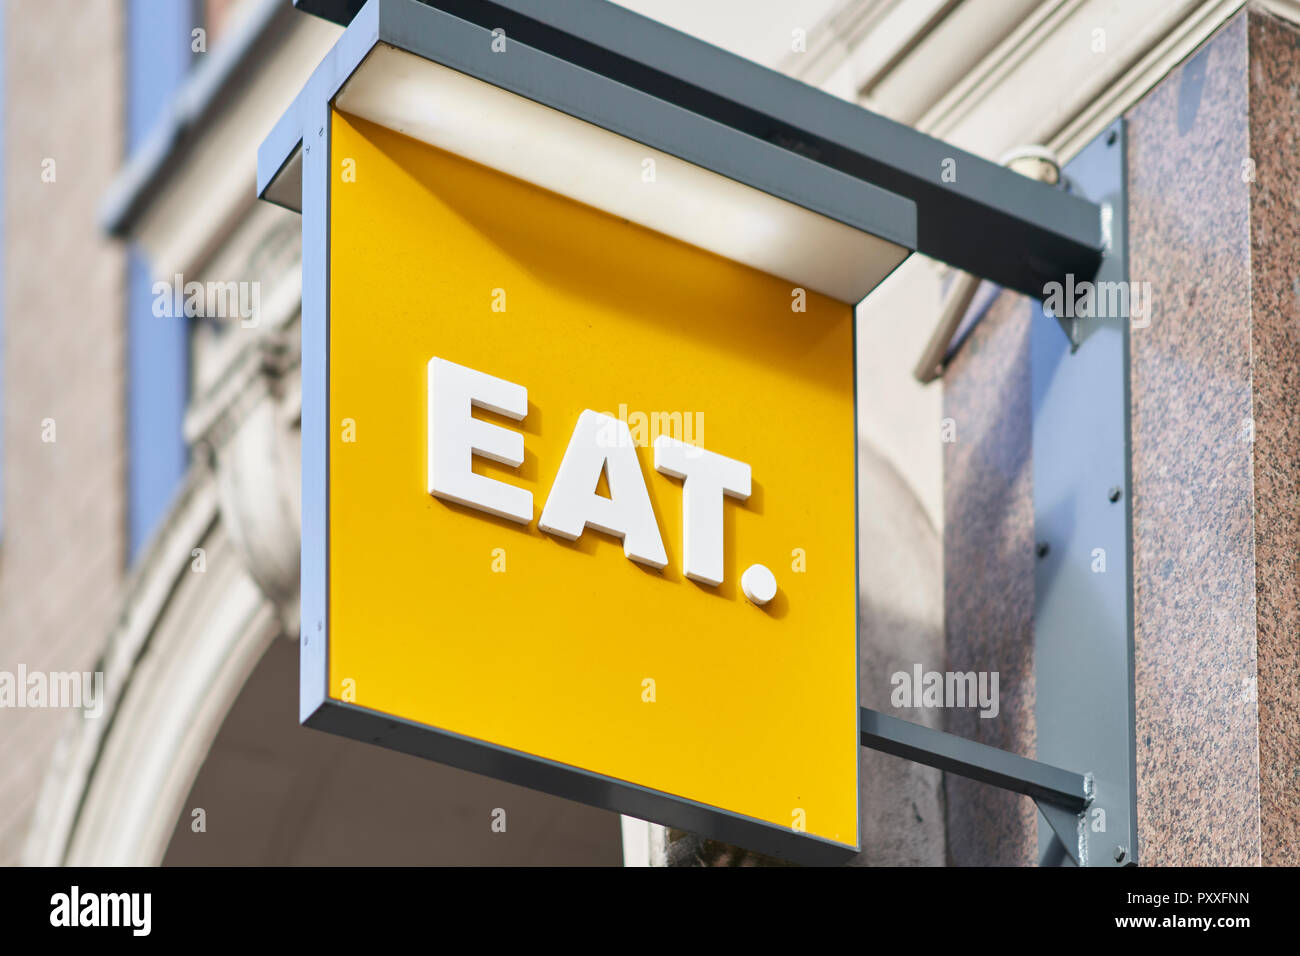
(648, 418)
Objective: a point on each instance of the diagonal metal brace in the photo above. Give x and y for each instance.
(952, 754)
(1061, 795)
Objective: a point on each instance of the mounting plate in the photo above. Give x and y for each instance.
(1083, 621)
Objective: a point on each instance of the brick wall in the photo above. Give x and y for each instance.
(63, 552)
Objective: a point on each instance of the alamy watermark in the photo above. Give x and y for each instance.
(933, 689)
(686, 427)
(41, 689)
(208, 300)
(74, 908)
(1099, 300)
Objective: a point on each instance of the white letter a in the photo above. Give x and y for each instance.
(573, 504)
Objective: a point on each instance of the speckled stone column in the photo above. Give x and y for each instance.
(989, 572)
(1214, 227)
(1193, 511)
(1274, 51)
(1216, 451)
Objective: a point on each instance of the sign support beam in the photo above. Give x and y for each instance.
(968, 758)
(1062, 796)
(971, 213)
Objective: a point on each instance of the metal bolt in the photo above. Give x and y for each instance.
(1115, 494)
(1111, 137)
(1120, 853)
(1043, 548)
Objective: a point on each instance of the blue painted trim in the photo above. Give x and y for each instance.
(158, 359)
(314, 640)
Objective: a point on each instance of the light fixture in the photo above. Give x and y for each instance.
(543, 120)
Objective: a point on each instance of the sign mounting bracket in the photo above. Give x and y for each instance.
(1083, 619)
(1062, 796)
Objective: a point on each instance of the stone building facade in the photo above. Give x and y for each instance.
(191, 618)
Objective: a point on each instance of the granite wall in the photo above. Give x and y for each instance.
(1273, 49)
(1193, 511)
(988, 544)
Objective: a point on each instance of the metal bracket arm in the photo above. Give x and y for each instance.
(952, 754)
(1061, 795)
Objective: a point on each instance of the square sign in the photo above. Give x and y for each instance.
(579, 452)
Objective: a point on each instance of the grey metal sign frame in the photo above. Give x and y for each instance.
(982, 219)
